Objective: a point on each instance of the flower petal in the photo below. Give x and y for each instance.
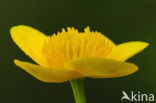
(101, 67)
(126, 50)
(30, 40)
(47, 74)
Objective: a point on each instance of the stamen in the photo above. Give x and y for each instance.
(71, 44)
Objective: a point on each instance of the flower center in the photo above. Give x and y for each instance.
(71, 44)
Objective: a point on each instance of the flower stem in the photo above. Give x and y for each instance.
(78, 90)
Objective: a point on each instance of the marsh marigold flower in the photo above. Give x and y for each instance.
(71, 54)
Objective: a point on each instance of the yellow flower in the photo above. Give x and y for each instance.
(71, 54)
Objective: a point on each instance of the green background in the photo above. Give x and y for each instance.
(120, 20)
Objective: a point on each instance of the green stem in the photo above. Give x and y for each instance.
(78, 90)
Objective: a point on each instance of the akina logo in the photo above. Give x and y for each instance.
(137, 96)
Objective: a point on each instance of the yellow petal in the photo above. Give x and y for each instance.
(30, 40)
(126, 50)
(47, 74)
(101, 67)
